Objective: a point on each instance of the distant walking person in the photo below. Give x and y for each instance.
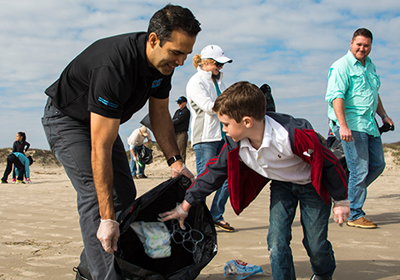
(354, 101)
(181, 120)
(135, 141)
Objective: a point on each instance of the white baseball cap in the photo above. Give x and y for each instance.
(216, 53)
(143, 129)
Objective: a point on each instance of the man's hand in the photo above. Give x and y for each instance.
(179, 168)
(345, 134)
(341, 211)
(108, 234)
(176, 213)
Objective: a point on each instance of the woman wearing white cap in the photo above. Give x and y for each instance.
(207, 137)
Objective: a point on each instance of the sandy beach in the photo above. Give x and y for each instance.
(40, 236)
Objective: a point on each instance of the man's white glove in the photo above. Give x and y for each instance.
(341, 211)
(184, 171)
(108, 234)
(176, 213)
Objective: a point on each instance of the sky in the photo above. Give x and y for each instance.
(288, 44)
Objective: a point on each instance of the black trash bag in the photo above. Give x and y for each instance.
(187, 258)
(146, 155)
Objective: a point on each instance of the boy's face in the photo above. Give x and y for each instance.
(233, 129)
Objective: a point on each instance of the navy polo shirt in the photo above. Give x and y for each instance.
(110, 78)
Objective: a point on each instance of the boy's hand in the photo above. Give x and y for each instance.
(176, 213)
(341, 211)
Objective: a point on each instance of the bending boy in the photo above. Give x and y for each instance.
(287, 151)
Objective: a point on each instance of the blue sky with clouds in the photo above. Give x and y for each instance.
(288, 44)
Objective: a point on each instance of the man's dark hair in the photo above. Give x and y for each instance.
(362, 32)
(171, 18)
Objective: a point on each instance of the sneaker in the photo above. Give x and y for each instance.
(14, 180)
(315, 277)
(3, 181)
(142, 176)
(362, 223)
(224, 226)
(134, 177)
(20, 182)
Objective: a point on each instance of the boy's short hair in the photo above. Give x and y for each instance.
(241, 99)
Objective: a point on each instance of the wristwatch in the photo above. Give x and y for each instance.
(173, 159)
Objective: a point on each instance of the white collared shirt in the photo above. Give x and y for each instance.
(275, 159)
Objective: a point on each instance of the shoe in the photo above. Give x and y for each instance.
(20, 182)
(224, 226)
(142, 176)
(14, 180)
(134, 177)
(362, 223)
(3, 181)
(315, 277)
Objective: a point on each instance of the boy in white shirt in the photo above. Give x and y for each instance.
(262, 147)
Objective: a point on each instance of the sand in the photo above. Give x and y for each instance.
(40, 236)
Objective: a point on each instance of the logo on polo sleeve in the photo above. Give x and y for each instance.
(156, 83)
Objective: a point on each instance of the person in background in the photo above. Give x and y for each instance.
(21, 163)
(207, 135)
(181, 120)
(353, 102)
(20, 145)
(99, 90)
(135, 141)
(262, 147)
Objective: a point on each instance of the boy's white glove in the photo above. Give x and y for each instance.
(184, 171)
(341, 211)
(177, 213)
(108, 234)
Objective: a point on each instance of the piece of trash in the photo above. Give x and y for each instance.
(241, 270)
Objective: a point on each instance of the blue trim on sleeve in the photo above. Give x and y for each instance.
(108, 103)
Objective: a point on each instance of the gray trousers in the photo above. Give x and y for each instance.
(69, 140)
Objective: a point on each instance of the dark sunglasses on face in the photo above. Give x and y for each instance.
(218, 64)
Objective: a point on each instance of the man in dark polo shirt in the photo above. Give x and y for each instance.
(180, 120)
(99, 90)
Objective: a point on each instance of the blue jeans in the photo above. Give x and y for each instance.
(136, 150)
(204, 152)
(69, 140)
(314, 220)
(364, 167)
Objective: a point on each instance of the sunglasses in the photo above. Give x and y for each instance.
(218, 64)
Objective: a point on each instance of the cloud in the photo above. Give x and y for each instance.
(287, 44)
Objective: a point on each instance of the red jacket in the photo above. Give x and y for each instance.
(327, 175)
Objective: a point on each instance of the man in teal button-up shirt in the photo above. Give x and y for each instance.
(354, 101)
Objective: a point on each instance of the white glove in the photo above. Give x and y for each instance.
(341, 211)
(108, 234)
(183, 171)
(176, 213)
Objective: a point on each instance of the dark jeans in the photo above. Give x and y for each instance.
(204, 152)
(12, 159)
(69, 139)
(314, 219)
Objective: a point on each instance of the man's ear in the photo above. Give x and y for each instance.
(248, 121)
(153, 39)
